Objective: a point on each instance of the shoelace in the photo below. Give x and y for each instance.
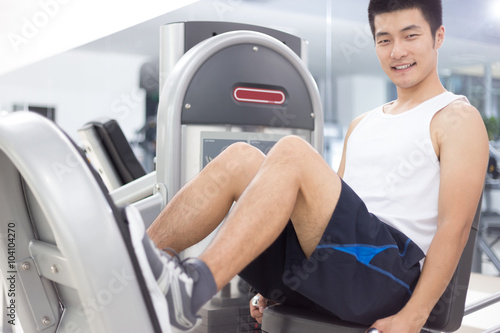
(172, 267)
(173, 253)
(179, 264)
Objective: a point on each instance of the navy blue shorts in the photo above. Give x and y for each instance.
(362, 270)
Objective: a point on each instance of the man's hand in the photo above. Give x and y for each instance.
(256, 311)
(399, 323)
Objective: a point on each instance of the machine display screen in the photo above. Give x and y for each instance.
(213, 147)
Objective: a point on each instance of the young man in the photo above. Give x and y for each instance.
(300, 235)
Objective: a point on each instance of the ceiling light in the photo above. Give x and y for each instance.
(495, 9)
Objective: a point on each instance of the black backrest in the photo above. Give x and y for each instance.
(448, 313)
(122, 157)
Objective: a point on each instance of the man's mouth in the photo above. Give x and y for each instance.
(404, 66)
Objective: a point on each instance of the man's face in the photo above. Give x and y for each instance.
(405, 46)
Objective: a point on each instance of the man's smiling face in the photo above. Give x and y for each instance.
(405, 46)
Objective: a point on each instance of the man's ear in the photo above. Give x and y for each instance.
(439, 37)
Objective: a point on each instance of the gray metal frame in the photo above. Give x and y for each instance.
(169, 127)
(177, 38)
(70, 263)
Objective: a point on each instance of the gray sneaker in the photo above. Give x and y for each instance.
(177, 286)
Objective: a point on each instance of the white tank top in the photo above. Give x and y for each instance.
(391, 164)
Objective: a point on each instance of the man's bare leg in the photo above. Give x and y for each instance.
(293, 182)
(201, 205)
(194, 212)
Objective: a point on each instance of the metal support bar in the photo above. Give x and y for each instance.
(150, 208)
(41, 310)
(51, 263)
(135, 190)
(481, 304)
(495, 329)
(489, 110)
(495, 241)
(487, 250)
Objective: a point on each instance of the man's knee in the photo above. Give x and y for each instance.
(295, 157)
(239, 157)
(293, 148)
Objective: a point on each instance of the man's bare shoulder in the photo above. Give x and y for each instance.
(458, 115)
(459, 125)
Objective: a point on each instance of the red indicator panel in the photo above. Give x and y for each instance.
(255, 95)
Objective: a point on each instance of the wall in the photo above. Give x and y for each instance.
(357, 94)
(82, 86)
(32, 30)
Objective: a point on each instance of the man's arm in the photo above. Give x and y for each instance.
(461, 143)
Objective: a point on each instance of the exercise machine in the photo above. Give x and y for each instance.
(68, 260)
(73, 261)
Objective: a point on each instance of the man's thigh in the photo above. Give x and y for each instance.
(319, 188)
(362, 270)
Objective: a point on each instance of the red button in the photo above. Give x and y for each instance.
(255, 95)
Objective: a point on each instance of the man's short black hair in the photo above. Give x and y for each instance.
(432, 10)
